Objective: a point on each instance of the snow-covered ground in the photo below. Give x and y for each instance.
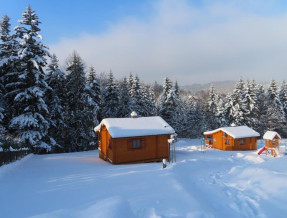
(211, 184)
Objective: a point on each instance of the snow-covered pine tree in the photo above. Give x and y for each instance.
(167, 86)
(130, 81)
(221, 112)
(238, 111)
(136, 100)
(211, 110)
(152, 101)
(110, 106)
(2, 129)
(94, 84)
(176, 88)
(124, 96)
(169, 110)
(82, 110)
(252, 112)
(8, 68)
(283, 97)
(31, 116)
(55, 98)
(262, 110)
(148, 104)
(275, 113)
(5, 50)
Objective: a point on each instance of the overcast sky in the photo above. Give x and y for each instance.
(189, 41)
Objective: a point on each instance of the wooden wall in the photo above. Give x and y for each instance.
(219, 142)
(272, 143)
(153, 148)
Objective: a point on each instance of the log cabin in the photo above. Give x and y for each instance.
(237, 138)
(134, 140)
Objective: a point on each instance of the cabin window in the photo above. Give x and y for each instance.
(135, 144)
(242, 142)
(224, 134)
(227, 142)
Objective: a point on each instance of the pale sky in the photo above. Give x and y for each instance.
(189, 41)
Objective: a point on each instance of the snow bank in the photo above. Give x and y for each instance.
(11, 166)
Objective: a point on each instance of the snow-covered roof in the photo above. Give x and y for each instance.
(132, 127)
(270, 135)
(236, 132)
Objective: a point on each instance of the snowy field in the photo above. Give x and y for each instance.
(211, 184)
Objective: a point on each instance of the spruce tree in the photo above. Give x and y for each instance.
(31, 116)
(94, 84)
(252, 111)
(275, 112)
(55, 98)
(124, 96)
(167, 86)
(81, 108)
(169, 110)
(238, 112)
(110, 108)
(211, 113)
(136, 101)
(262, 110)
(9, 63)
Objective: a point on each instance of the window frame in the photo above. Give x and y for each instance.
(241, 141)
(136, 143)
(227, 141)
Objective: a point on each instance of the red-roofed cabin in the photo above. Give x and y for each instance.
(236, 138)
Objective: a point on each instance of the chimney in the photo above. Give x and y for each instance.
(233, 125)
(134, 114)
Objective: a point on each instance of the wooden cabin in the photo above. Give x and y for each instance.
(131, 140)
(237, 138)
(272, 142)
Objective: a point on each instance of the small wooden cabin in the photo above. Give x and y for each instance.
(129, 140)
(236, 138)
(272, 142)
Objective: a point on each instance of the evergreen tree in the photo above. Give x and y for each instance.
(55, 98)
(136, 100)
(81, 108)
(252, 111)
(125, 108)
(94, 84)
(176, 89)
(9, 60)
(110, 107)
(212, 116)
(30, 121)
(152, 102)
(283, 97)
(275, 113)
(148, 104)
(167, 86)
(238, 110)
(2, 129)
(262, 110)
(169, 110)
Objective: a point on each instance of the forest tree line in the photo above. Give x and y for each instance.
(52, 110)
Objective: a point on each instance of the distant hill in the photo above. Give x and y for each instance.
(222, 87)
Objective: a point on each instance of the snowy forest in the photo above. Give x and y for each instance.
(50, 108)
